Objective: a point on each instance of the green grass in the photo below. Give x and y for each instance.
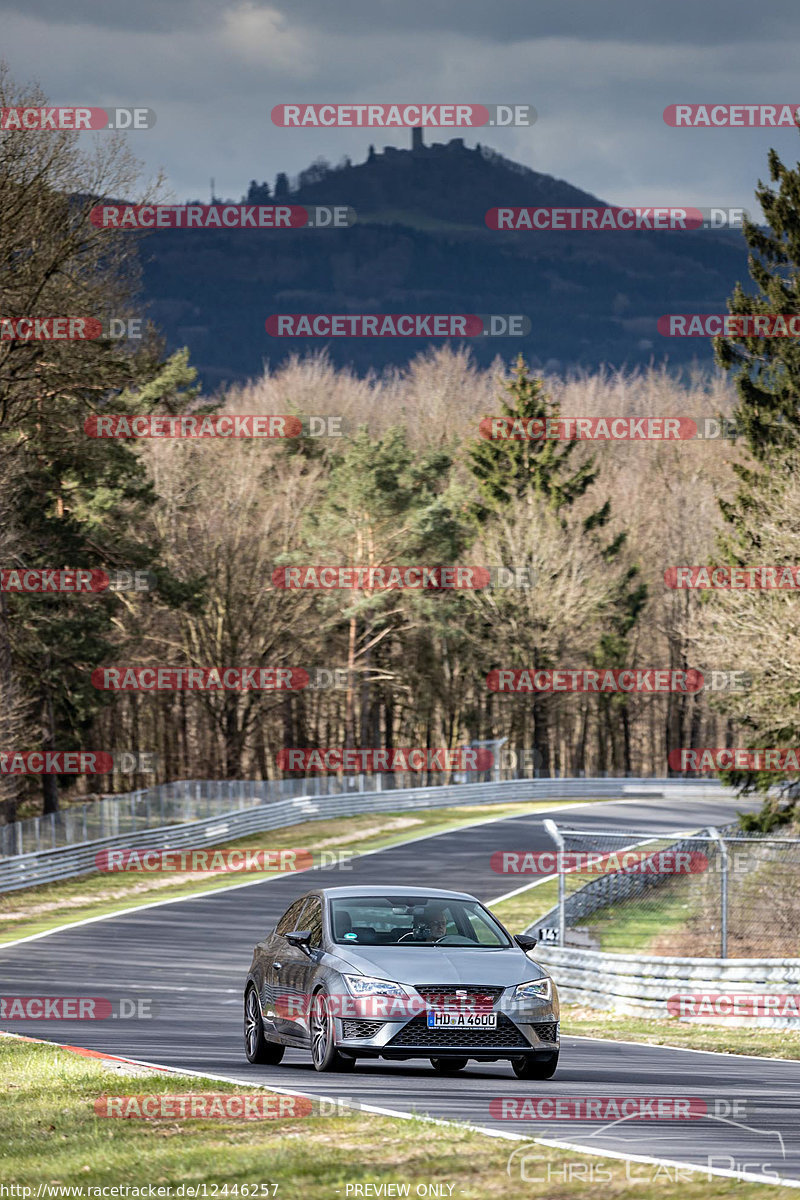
(37, 909)
(521, 911)
(669, 1031)
(50, 1134)
(416, 220)
(637, 924)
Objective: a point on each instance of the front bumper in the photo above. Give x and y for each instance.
(520, 1029)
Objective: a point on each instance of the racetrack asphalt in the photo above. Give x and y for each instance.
(190, 957)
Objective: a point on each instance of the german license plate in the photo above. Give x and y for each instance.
(461, 1020)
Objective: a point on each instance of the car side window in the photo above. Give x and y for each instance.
(313, 921)
(288, 922)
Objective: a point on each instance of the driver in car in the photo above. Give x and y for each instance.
(435, 923)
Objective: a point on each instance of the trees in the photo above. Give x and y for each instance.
(72, 500)
(383, 505)
(506, 470)
(532, 477)
(55, 262)
(758, 631)
(766, 372)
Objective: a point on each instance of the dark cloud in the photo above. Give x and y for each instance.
(599, 72)
(154, 16)
(499, 21)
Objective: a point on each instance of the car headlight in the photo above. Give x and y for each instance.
(365, 985)
(535, 989)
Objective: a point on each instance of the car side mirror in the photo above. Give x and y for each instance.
(525, 942)
(300, 938)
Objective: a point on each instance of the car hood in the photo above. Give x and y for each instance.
(441, 965)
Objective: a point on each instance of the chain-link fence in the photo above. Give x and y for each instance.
(170, 804)
(194, 800)
(703, 893)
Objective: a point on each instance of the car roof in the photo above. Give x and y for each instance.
(364, 890)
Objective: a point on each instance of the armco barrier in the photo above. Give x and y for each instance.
(640, 985)
(46, 866)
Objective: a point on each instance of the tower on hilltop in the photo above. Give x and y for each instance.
(417, 143)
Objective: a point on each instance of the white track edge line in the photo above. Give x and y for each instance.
(583, 1037)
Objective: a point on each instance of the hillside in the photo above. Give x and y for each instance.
(420, 244)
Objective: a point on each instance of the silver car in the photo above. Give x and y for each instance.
(398, 973)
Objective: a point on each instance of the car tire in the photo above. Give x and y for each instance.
(324, 1054)
(535, 1066)
(448, 1066)
(256, 1046)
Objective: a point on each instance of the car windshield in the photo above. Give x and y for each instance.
(413, 921)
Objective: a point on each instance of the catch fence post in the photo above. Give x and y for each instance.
(555, 834)
(723, 890)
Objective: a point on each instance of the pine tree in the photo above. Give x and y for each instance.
(509, 470)
(766, 373)
(384, 505)
(82, 502)
(506, 469)
(767, 370)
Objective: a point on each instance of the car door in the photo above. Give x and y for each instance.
(277, 1002)
(303, 969)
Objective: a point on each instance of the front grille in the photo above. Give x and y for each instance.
(361, 1029)
(444, 995)
(546, 1030)
(417, 1033)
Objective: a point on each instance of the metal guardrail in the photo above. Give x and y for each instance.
(166, 804)
(643, 986)
(47, 866)
(186, 800)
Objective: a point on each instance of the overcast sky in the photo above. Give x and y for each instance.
(598, 72)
